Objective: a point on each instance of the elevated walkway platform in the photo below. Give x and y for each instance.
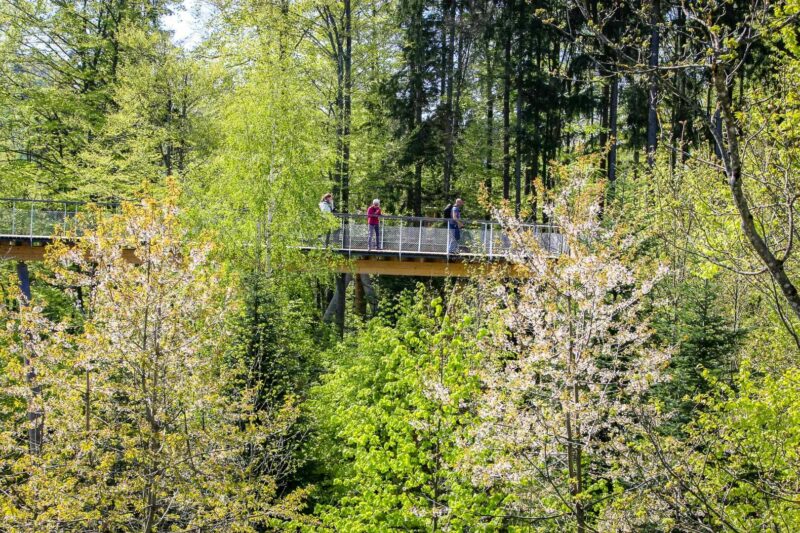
(420, 246)
(404, 246)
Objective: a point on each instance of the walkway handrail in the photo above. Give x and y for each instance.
(430, 237)
(67, 202)
(465, 220)
(37, 220)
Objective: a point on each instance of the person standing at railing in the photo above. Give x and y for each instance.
(455, 224)
(326, 206)
(374, 224)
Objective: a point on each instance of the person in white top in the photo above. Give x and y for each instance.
(326, 204)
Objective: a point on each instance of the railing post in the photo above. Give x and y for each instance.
(13, 218)
(30, 233)
(349, 241)
(400, 240)
(341, 232)
(447, 229)
(382, 243)
(491, 238)
(419, 241)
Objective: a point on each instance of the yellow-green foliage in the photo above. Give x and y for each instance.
(393, 416)
(147, 423)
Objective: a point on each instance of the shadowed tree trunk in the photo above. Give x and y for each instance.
(612, 130)
(488, 162)
(518, 146)
(338, 28)
(359, 301)
(347, 110)
(337, 304)
(652, 114)
(369, 294)
(448, 40)
(35, 414)
(507, 115)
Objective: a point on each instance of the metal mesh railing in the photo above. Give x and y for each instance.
(23, 219)
(422, 236)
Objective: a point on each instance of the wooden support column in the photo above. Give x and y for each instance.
(369, 293)
(359, 299)
(341, 301)
(35, 414)
(24, 281)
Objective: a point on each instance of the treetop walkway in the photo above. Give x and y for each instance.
(420, 246)
(26, 225)
(430, 237)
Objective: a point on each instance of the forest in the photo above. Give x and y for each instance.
(190, 347)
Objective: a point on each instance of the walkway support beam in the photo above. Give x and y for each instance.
(341, 288)
(35, 412)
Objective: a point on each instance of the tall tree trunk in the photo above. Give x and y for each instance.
(369, 293)
(537, 146)
(341, 301)
(417, 96)
(518, 146)
(418, 189)
(530, 187)
(488, 163)
(338, 296)
(339, 116)
(449, 40)
(612, 130)
(167, 150)
(507, 116)
(184, 126)
(35, 412)
(678, 123)
(573, 427)
(443, 50)
(730, 147)
(652, 101)
(604, 101)
(347, 110)
(359, 300)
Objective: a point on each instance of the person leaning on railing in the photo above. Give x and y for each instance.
(373, 223)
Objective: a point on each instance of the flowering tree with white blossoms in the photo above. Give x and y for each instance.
(573, 360)
(148, 423)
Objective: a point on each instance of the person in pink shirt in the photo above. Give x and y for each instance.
(373, 223)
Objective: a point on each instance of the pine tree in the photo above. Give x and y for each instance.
(706, 345)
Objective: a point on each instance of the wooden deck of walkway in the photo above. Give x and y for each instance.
(389, 265)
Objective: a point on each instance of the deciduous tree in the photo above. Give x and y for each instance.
(572, 361)
(149, 422)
